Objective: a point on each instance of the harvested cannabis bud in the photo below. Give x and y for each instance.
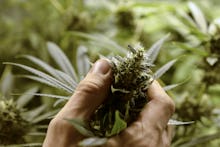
(131, 79)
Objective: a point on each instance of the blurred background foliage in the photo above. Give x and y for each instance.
(106, 27)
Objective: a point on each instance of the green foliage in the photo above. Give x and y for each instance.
(86, 30)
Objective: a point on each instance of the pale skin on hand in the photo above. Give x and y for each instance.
(150, 130)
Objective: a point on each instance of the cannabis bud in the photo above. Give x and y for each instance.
(131, 79)
(12, 126)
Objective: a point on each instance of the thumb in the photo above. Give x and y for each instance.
(90, 92)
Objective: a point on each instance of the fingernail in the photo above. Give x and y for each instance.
(101, 67)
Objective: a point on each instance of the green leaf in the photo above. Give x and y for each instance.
(6, 82)
(32, 114)
(93, 141)
(80, 126)
(57, 74)
(25, 98)
(119, 124)
(172, 86)
(83, 63)
(176, 122)
(154, 50)
(61, 59)
(198, 16)
(45, 116)
(47, 95)
(44, 76)
(164, 68)
(202, 139)
(196, 50)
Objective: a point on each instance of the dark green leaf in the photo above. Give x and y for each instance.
(119, 124)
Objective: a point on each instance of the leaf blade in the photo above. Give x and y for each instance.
(164, 69)
(61, 59)
(198, 16)
(154, 50)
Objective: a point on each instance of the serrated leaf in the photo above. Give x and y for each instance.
(42, 64)
(176, 122)
(93, 141)
(164, 68)
(82, 61)
(44, 76)
(25, 98)
(65, 78)
(198, 16)
(80, 126)
(119, 124)
(59, 75)
(154, 50)
(61, 59)
(41, 80)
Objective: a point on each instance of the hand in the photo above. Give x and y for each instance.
(150, 130)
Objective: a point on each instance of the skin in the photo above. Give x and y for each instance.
(150, 130)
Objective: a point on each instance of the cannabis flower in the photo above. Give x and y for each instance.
(131, 78)
(12, 126)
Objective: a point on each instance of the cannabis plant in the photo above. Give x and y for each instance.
(18, 123)
(202, 39)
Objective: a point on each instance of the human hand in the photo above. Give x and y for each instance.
(150, 130)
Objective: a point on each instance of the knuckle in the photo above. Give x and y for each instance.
(55, 123)
(169, 104)
(90, 86)
(58, 123)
